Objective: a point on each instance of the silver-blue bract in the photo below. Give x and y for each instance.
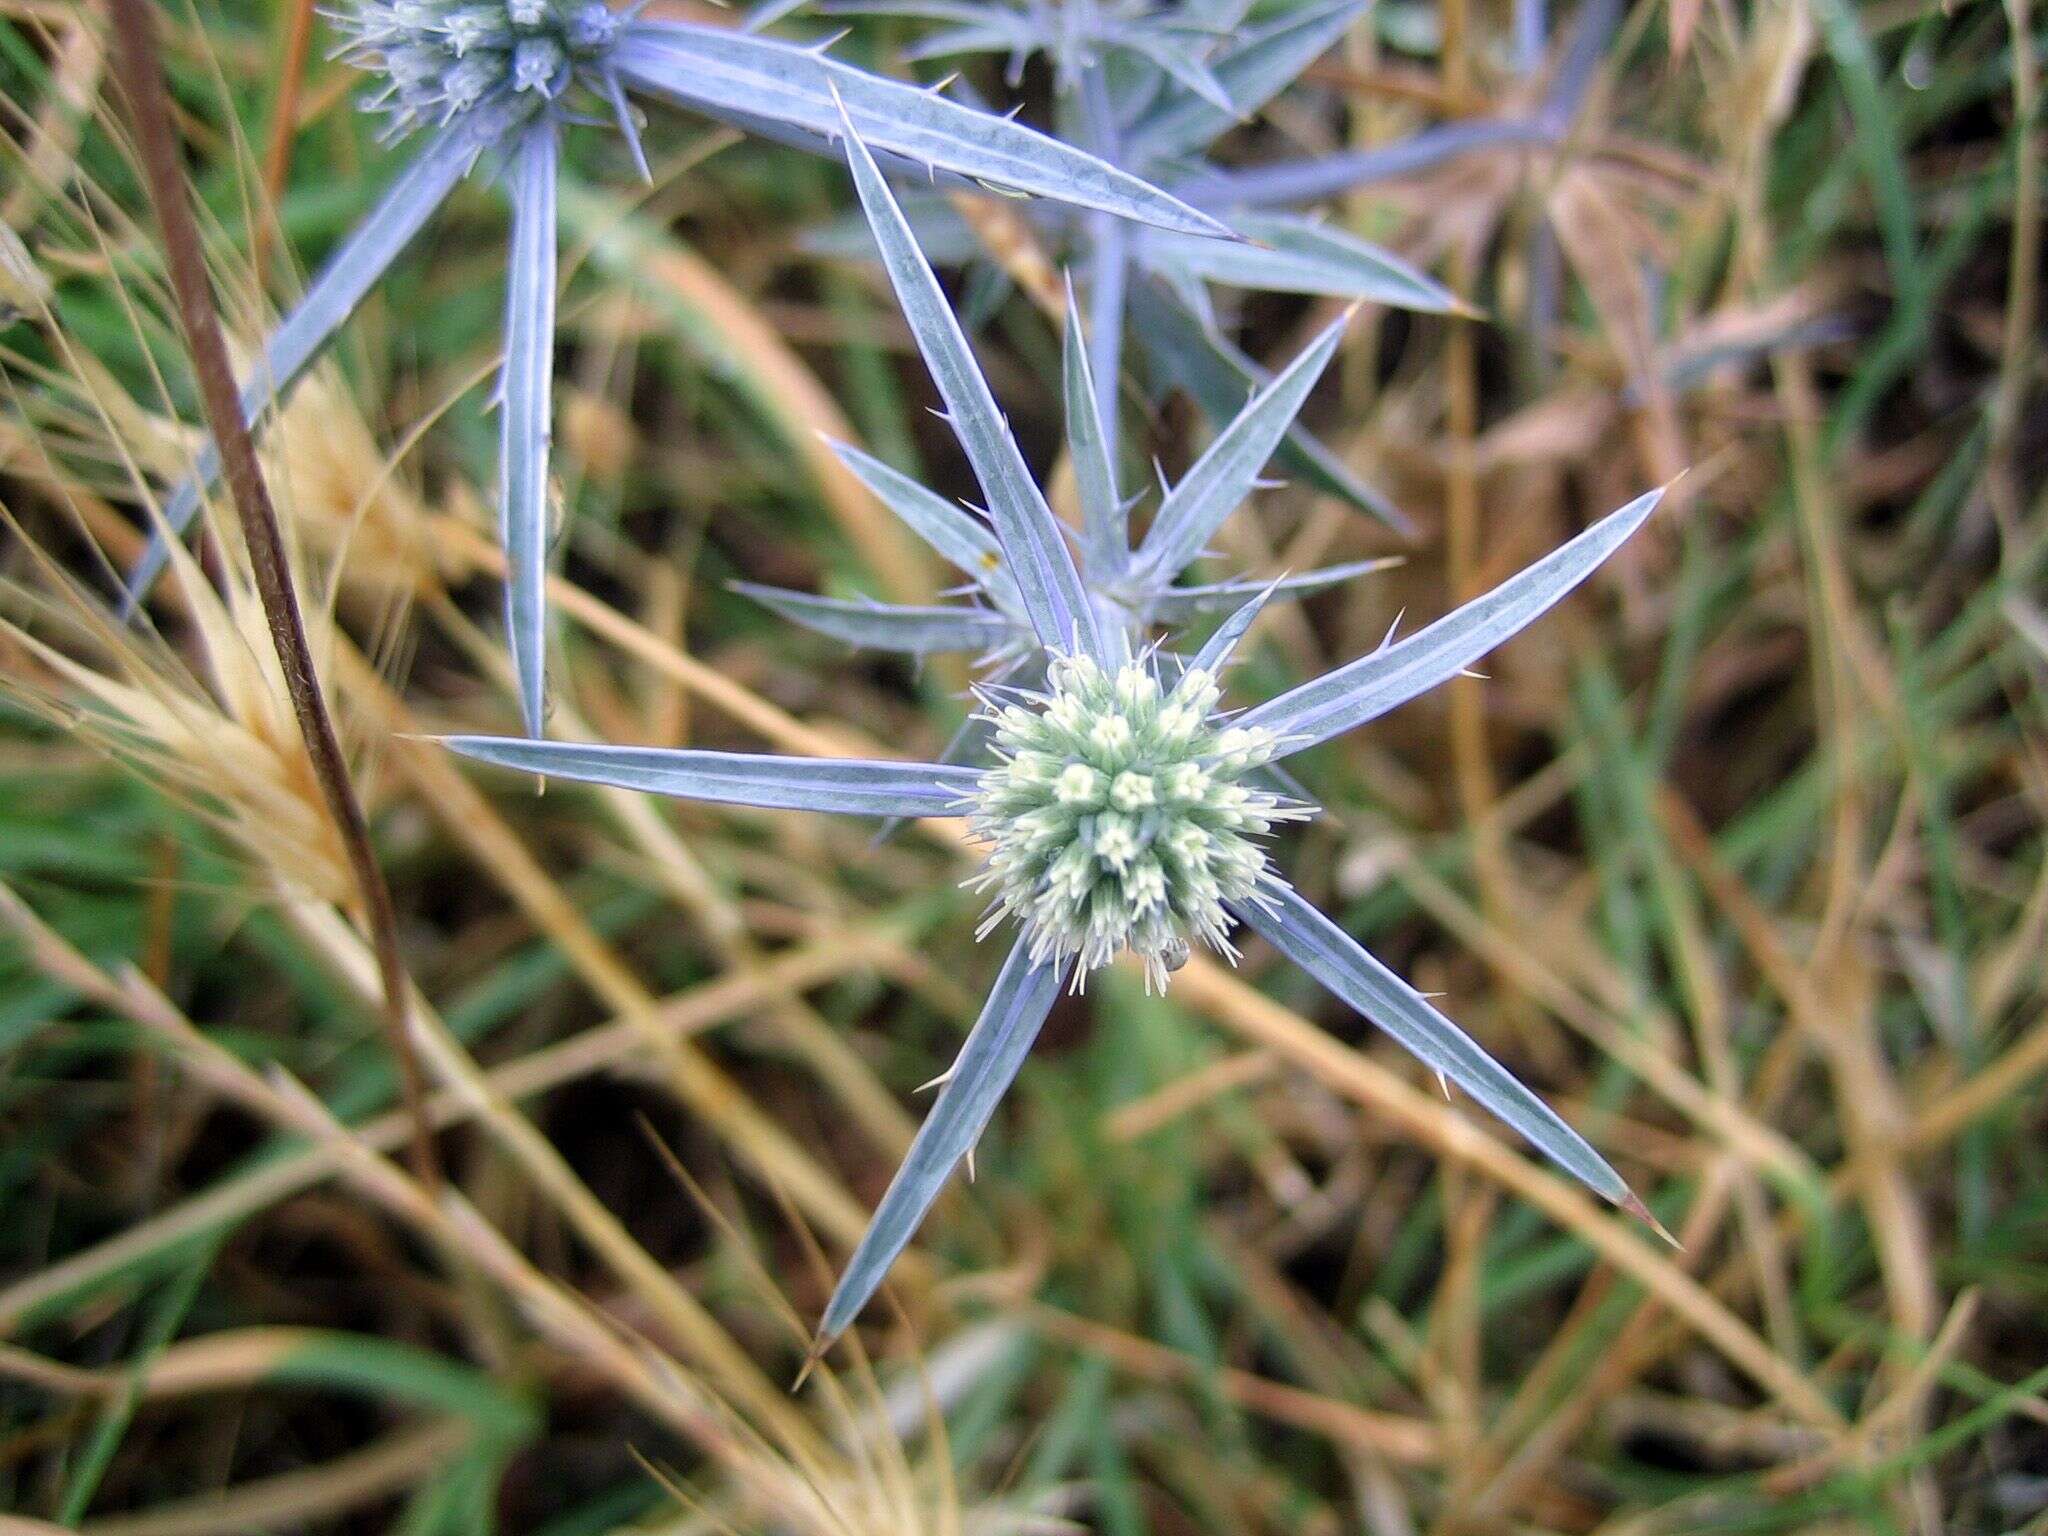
(1149, 87)
(1114, 590)
(1123, 806)
(503, 78)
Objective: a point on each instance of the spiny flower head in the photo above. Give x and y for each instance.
(1118, 816)
(444, 58)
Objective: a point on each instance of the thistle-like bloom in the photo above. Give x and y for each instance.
(443, 58)
(1121, 805)
(1122, 816)
(503, 78)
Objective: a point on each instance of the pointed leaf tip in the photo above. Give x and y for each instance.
(1352, 974)
(821, 1343)
(1633, 1204)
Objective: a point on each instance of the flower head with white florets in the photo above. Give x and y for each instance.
(1119, 817)
(442, 59)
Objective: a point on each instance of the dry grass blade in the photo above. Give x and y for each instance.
(753, 352)
(1265, 1023)
(347, 1483)
(596, 1050)
(776, 1458)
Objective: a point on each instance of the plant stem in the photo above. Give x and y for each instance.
(139, 68)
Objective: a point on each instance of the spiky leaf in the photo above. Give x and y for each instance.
(1176, 605)
(1188, 355)
(1296, 255)
(844, 785)
(962, 539)
(764, 84)
(918, 631)
(1105, 532)
(996, 1047)
(526, 411)
(1251, 74)
(1224, 476)
(1367, 688)
(1316, 944)
(1034, 545)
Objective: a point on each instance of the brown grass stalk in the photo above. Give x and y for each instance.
(599, 1049)
(139, 65)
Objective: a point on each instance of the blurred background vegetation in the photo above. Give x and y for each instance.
(1738, 858)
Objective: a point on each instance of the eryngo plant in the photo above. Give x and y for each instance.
(1130, 589)
(1120, 801)
(503, 79)
(1150, 88)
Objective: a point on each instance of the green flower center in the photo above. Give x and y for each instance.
(1118, 817)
